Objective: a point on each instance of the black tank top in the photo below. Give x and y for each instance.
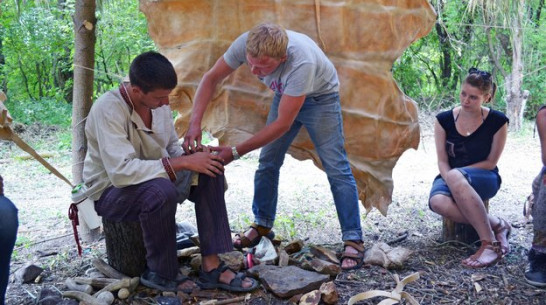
(466, 150)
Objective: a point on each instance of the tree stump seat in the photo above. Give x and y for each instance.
(125, 247)
(461, 232)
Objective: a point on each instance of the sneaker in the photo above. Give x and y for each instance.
(535, 274)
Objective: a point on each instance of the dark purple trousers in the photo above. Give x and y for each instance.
(153, 204)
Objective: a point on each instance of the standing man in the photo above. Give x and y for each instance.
(536, 270)
(306, 88)
(8, 235)
(135, 170)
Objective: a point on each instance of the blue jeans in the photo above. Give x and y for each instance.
(485, 182)
(321, 116)
(8, 235)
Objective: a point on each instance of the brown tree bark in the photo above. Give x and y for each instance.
(125, 247)
(464, 233)
(84, 59)
(516, 98)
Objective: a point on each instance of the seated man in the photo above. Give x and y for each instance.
(135, 170)
(8, 235)
(536, 271)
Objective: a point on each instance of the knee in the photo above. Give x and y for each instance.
(454, 178)
(438, 203)
(434, 204)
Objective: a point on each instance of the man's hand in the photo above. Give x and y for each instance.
(202, 162)
(192, 140)
(223, 152)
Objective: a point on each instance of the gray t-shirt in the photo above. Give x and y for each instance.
(306, 71)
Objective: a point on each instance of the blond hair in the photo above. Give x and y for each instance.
(267, 39)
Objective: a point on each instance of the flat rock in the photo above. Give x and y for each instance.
(324, 253)
(288, 281)
(28, 273)
(325, 267)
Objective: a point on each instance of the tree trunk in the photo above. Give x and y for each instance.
(464, 233)
(125, 247)
(84, 58)
(515, 97)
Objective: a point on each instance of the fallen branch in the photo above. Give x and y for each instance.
(123, 283)
(107, 270)
(95, 282)
(83, 297)
(223, 302)
(72, 285)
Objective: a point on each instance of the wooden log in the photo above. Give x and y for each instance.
(125, 247)
(464, 233)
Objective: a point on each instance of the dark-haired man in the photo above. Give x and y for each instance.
(135, 170)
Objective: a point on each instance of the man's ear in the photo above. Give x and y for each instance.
(136, 90)
(283, 59)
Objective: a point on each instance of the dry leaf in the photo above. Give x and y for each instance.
(477, 287)
(478, 277)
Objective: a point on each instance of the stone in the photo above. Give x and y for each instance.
(49, 296)
(324, 253)
(295, 299)
(288, 281)
(284, 258)
(294, 246)
(310, 298)
(329, 294)
(384, 255)
(28, 273)
(325, 267)
(233, 259)
(195, 262)
(167, 300)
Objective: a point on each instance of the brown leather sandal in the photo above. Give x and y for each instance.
(241, 241)
(475, 258)
(357, 257)
(502, 232)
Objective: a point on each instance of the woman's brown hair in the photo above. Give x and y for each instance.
(483, 81)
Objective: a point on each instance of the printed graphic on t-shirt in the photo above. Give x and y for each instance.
(276, 86)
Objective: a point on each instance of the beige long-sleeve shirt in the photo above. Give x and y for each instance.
(121, 150)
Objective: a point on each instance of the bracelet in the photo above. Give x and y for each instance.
(168, 168)
(235, 154)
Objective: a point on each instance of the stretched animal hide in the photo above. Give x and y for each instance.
(362, 38)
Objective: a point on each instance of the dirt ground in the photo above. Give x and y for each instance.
(305, 211)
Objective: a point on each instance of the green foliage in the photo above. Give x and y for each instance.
(46, 111)
(431, 70)
(36, 54)
(35, 46)
(122, 34)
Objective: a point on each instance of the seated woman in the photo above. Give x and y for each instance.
(469, 141)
